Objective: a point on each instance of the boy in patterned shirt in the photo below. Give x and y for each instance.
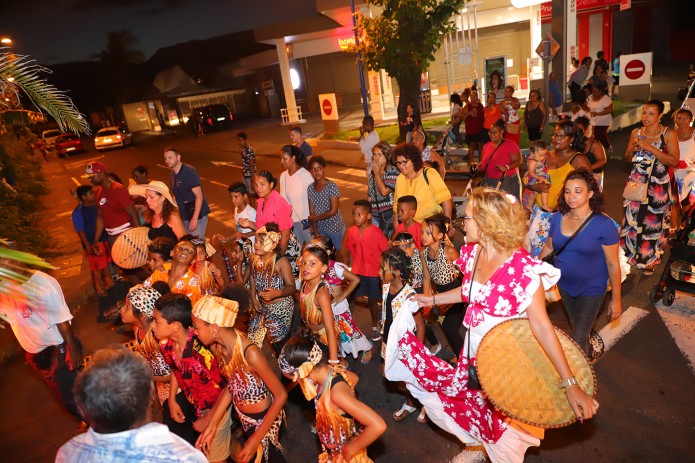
(248, 165)
(194, 369)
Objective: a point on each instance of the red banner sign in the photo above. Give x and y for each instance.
(582, 5)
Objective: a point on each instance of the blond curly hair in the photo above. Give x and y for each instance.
(499, 218)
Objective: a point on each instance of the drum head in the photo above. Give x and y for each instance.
(130, 249)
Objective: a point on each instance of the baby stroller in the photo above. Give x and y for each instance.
(446, 148)
(679, 271)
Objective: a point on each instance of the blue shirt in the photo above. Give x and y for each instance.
(583, 263)
(150, 443)
(556, 93)
(84, 219)
(182, 185)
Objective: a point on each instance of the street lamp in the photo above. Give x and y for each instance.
(6, 40)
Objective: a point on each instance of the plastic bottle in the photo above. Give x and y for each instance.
(691, 238)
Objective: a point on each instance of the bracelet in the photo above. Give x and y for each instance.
(434, 301)
(334, 362)
(569, 382)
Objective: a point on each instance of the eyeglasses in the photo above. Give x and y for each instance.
(559, 135)
(402, 163)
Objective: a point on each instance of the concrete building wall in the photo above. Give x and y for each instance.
(332, 73)
(510, 40)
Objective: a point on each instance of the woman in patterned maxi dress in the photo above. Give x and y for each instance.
(653, 148)
(501, 281)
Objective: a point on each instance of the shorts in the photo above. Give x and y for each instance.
(616, 79)
(474, 137)
(97, 263)
(219, 447)
(370, 287)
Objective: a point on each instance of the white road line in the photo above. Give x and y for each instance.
(361, 173)
(162, 166)
(218, 183)
(75, 181)
(64, 214)
(680, 321)
(349, 184)
(82, 163)
(612, 332)
(225, 164)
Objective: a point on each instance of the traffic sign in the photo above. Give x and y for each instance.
(635, 69)
(327, 107)
(548, 48)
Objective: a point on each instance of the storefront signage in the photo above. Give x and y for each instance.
(346, 42)
(582, 5)
(625, 5)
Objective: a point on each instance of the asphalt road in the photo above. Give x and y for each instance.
(645, 385)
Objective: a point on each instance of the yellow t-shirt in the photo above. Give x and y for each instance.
(557, 180)
(429, 197)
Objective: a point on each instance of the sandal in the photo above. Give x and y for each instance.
(366, 357)
(647, 271)
(437, 350)
(404, 412)
(422, 417)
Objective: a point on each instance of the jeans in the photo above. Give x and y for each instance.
(384, 220)
(337, 238)
(200, 231)
(303, 236)
(582, 312)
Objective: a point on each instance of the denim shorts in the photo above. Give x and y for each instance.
(370, 287)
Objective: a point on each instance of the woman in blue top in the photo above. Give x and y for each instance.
(590, 260)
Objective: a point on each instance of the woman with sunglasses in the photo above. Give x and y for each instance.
(561, 160)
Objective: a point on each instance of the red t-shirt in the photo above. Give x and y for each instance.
(501, 157)
(414, 230)
(112, 203)
(197, 372)
(474, 124)
(365, 249)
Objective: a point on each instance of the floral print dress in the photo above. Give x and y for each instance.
(643, 234)
(441, 388)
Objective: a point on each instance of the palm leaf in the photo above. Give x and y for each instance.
(19, 73)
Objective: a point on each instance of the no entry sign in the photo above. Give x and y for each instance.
(329, 109)
(635, 69)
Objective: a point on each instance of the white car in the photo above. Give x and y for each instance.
(112, 137)
(49, 137)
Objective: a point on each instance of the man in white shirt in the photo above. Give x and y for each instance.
(40, 319)
(113, 395)
(368, 140)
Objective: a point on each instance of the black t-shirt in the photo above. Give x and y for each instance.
(389, 313)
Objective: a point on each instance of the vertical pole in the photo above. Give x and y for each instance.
(365, 104)
(477, 48)
(470, 42)
(447, 39)
(456, 52)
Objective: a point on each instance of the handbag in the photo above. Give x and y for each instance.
(189, 209)
(473, 381)
(550, 258)
(637, 191)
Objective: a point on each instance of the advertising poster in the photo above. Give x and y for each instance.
(496, 76)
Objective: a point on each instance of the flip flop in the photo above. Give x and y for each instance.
(366, 357)
(422, 417)
(404, 412)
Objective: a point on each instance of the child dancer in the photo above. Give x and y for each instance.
(352, 340)
(209, 276)
(272, 286)
(537, 173)
(441, 275)
(258, 394)
(338, 412)
(315, 299)
(397, 296)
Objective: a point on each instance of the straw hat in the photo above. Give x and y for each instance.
(519, 379)
(216, 310)
(154, 185)
(130, 249)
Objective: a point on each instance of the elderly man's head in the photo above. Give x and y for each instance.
(113, 393)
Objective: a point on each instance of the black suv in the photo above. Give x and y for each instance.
(209, 118)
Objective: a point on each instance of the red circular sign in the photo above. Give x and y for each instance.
(327, 107)
(635, 69)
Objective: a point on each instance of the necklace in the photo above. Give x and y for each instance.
(580, 219)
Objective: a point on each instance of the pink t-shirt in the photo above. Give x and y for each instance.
(274, 208)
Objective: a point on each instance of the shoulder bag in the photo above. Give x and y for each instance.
(550, 258)
(637, 191)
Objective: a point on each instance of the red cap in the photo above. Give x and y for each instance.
(96, 168)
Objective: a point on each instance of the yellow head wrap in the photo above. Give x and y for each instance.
(300, 374)
(216, 311)
(270, 241)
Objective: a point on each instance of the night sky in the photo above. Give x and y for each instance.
(58, 31)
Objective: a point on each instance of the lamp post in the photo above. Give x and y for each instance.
(6, 40)
(365, 103)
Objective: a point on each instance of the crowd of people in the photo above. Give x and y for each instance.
(209, 338)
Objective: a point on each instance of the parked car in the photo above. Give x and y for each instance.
(68, 143)
(211, 117)
(49, 137)
(112, 137)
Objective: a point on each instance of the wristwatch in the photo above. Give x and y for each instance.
(569, 382)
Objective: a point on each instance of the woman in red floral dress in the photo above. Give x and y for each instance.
(506, 283)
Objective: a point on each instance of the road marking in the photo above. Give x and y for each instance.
(218, 183)
(612, 332)
(75, 181)
(349, 184)
(225, 164)
(82, 163)
(361, 173)
(163, 166)
(64, 214)
(680, 321)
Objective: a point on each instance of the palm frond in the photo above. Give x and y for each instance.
(20, 74)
